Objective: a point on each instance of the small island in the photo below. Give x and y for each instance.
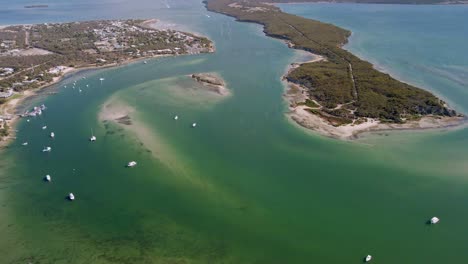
(212, 81)
(339, 95)
(36, 56)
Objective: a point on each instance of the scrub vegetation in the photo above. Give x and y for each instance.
(346, 87)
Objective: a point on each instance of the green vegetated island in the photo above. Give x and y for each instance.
(339, 94)
(35, 56)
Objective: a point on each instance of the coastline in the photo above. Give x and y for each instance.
(296, 95)
(329, 120)
(11, 106)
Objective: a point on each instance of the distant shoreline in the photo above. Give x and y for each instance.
(36, 6)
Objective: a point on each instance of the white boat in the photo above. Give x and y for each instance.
(145, 62)
(47, 149)
(44, 127)
(93, 137)
(194, 124)
(80, 90)
(52, 134)
(48, 178)
(131, 164)
(101, 79)
(176, 117)
(87, 85)
(25, 144)
(71, 197)
(27, 120)
(368, 258)
(434, 220)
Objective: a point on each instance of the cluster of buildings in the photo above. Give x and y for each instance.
(120, 35)
(7, 44)
(7, 93)
(6, 71)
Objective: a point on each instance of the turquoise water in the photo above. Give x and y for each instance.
(245, 186)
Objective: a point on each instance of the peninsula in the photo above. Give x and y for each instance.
(36, 56)
(339, 95)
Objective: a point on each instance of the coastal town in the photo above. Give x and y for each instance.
(35, 56)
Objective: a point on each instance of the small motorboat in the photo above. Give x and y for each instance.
(145, 62)
(93, 137)
(176, 117)
(47, 149)
(101, 79)
(27, 120)
(71, 197)
(52, 134)
(48, 178)
(25, 144)
(87, 85)
(131, 164)
(44, 127)
(194, 124)
(368, 258)
(434, 220)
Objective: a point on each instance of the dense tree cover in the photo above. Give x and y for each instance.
(343, 79)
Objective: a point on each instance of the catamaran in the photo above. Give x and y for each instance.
(434, 220)
(71, 197)
(368, 258)
(131, 164)
(48, 178)
(47, 149)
